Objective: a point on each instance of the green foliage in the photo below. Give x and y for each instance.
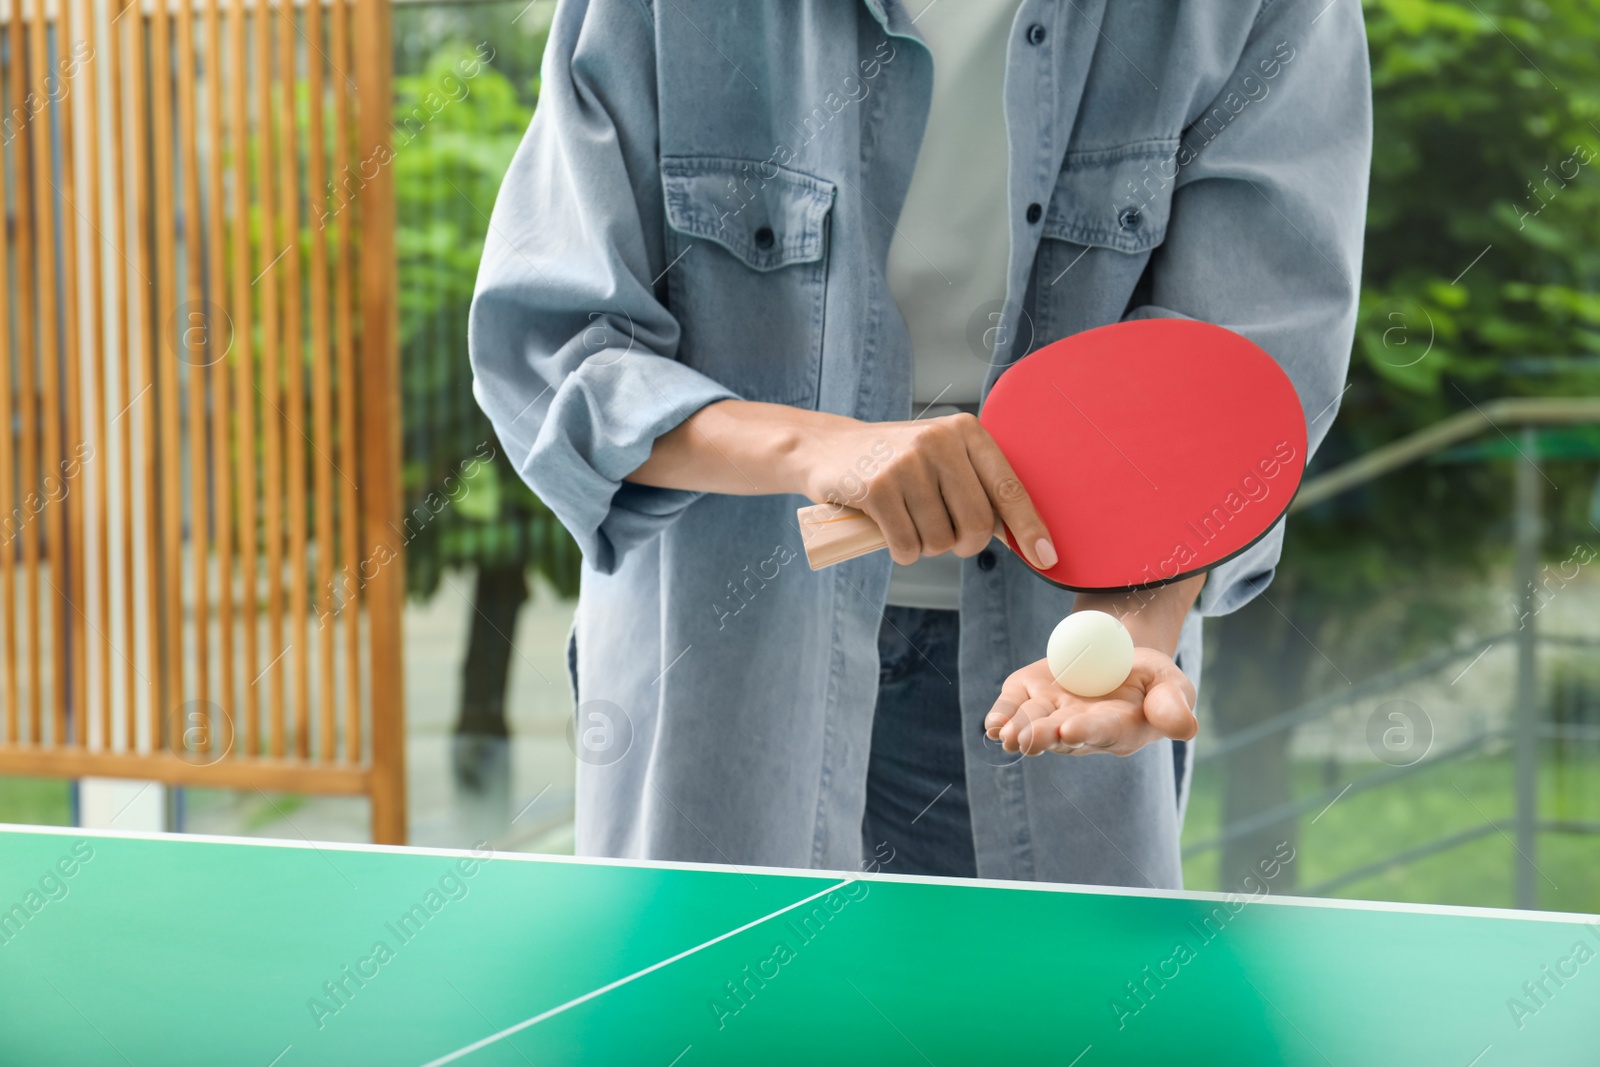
(458, 119)
(1481, 262)
(36, 801)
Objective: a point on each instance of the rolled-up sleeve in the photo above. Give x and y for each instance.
(1267, 219)
(573, 355)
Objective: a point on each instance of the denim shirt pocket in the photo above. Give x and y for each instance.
(748, 242)
(1110, 208)
(1117, 198)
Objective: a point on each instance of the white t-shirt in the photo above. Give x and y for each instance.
(952, 243)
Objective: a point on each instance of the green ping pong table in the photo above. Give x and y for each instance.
(154, 949)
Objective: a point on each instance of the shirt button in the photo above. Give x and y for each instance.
(1035, 212)
(1130, 218)
(764, 237)
(986, 560)
(1036, 33)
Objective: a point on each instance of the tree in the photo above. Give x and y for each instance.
(458, 119)
(1482, 256)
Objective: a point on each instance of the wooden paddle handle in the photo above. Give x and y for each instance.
(833, 533)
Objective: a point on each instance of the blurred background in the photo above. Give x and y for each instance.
(1414, 703)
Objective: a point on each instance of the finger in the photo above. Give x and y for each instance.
(889, 512)
(968, 506)
(1003, 711)
(1013, 694)
(1028, 712)
(912, 477)
(931, 515)
(1044, 734)
(1010, 500)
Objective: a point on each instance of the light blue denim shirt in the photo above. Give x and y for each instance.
(702, 209)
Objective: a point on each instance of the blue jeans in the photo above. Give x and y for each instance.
(917, 773)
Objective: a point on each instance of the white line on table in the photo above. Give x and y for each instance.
(609, 986)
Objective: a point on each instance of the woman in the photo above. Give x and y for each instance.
(753, 255)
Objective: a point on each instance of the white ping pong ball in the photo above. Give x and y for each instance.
(1090, 653)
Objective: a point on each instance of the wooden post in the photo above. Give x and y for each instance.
(382, 561)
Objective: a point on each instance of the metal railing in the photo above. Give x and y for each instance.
(1526, 730)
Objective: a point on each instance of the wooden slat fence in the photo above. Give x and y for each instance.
(200, 580)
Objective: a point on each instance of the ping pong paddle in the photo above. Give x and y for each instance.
(1153, 450)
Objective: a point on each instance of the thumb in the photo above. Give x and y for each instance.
(1169, 707)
